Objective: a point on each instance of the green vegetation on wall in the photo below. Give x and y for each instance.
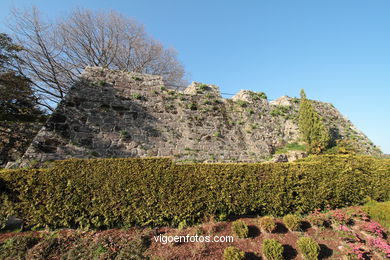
(103, 193)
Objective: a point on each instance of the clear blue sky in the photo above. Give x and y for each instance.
(338, 51)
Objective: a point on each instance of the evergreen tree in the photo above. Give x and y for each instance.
(311, 125)
(17, 99)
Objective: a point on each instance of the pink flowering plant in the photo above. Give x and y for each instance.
(374, 228)
(357, 252)
(381, 245)
(340, 217)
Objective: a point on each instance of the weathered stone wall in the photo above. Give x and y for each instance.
(121, 114)
(15, 138)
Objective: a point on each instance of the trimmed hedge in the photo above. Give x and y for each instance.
(105, 193)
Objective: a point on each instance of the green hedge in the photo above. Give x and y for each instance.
(103, 193)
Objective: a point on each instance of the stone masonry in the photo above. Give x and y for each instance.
(121, 114)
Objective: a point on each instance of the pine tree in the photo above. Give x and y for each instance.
(311, 125)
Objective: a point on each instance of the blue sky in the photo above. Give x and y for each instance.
(338, 51)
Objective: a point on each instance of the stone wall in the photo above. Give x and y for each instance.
(122, 114)
(15, 138)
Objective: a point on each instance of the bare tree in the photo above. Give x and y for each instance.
(54, 54)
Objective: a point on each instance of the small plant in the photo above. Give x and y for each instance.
(203, 87)
(199, 231)
(292, 222)
(124, 134)
(217, 134)
(340, 217)
(356, 252)
(192, 106)
(381, 245)
(242, 103)
(233, 253)
(257, 95)
(240, 229)
(308, 248)
(267, 224)
(222, 216)
(137, 96)
(316, 218)
(16, 248)
(291, 147)
(162, 88)
(374, 228)
(272, 249)
(99, 83)
(182, 225)
(136, 78)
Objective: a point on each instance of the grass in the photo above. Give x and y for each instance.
(379, 212)
(291, 147)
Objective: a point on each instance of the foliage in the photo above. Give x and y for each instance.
(137, 96)
(344, 146)
(272, 249)
(105, 193)
(56, 52)
(374, 228)
(233, 253)
(257, 95)
(16, 247)
(203, 87)
(312, 128)
(242, 103)
(267, 223)
(379, 211)
(17, 99)
(339, 216)
(291, 147)
(308, 248)
(292, 222)
(8, 53)
(192, 106)
(279, 110)
(381, 245)
(240, 229)
(317, 218)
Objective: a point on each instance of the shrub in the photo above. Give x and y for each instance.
(339, 216)
(192, 106)
(374, 228)
(240, 229)
(217, 134)
(316, 218)
(16, 247)
(308, 248)
(137, 96)
(242, 103)
(378, 211)
(381, 245)
(233, 253)
(292, 222)
(291, 147)
(182, 225)
(203, 87)
(106, 193)
(272, 249)
(267, 224)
